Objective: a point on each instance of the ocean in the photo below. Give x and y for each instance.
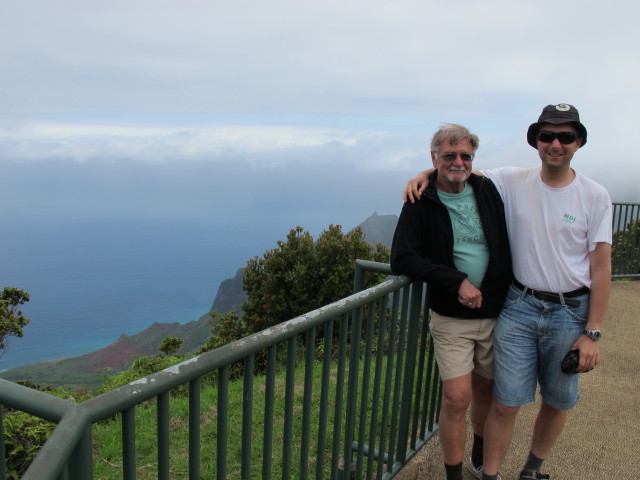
(107, 248)
(91, 282)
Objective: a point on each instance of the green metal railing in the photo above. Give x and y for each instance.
(625, 262)
(359, 373)
(365, 367)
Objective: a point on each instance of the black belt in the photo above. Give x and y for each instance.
(554, 297)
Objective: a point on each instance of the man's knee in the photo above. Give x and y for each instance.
(501, 411)
(457, 399)
(551, 411)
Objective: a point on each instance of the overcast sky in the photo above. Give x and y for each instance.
(348, 90)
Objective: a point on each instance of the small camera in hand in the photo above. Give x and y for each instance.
(571, 361)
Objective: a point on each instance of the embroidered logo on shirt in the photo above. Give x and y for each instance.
(569, 218)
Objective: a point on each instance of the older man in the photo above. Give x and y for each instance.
(455, 239)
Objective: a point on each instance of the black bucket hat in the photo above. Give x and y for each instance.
(557, 114)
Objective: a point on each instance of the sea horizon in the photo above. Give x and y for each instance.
(90, 283)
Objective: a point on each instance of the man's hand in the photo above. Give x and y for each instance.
(589, 353)
(416, 186)
(468, 295)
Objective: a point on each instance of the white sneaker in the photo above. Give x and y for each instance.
(477, 472)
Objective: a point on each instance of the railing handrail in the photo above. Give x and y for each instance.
(74, 420)
(34, 402)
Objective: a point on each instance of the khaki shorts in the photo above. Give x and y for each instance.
(462, 345)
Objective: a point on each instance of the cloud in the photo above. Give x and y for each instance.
(272, 83)
(165, 59)
(42, 142)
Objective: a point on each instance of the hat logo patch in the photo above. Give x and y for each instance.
(563, 107)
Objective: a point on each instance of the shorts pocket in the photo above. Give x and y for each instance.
(581, 313)
(514, 296)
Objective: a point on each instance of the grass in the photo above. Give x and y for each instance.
(107, 435)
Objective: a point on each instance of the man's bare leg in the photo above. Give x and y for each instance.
(481, 399)
(498, 432)
(548, 427)
(452, 430)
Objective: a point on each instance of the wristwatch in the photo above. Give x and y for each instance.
(594, 335)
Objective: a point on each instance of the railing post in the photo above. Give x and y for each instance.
(194, 428)
(80, 464)
(247, 416)
(222, 424)
(358, 278)
(352, 391)
(162, 416)
(128, 444)
(409, 371)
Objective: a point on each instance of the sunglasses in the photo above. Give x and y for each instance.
(451, 157)
(564, 138)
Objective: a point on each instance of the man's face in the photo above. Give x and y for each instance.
(555, 154)
(453, 163)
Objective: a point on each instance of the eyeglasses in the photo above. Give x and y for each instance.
(564, 138)
(451, 157)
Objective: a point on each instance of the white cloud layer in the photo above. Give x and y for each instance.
(278, 81)
(40, 142)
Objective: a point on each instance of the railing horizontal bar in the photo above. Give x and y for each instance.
(375, 267)
(34, 402)
(369, 452)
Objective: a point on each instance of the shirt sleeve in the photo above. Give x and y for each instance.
(600, 224)
(505, 178)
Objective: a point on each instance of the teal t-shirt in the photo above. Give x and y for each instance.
(470, 252)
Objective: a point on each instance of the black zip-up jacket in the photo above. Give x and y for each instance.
(422, 249)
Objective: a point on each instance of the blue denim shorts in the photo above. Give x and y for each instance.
(531, 337)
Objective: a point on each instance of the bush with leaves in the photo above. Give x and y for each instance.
(25, 434)
(12, 320)
(626, 249)
(141, 367)
(301, 275)
(23, 437)
(170, 345)
(225, 329)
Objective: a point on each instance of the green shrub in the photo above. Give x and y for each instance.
(23, 437)
(25, 434)
(141, 367)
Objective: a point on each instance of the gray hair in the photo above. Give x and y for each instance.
(454, 133)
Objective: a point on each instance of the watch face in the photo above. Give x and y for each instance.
(593, 334)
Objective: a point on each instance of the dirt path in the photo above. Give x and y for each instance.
(602, 437)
